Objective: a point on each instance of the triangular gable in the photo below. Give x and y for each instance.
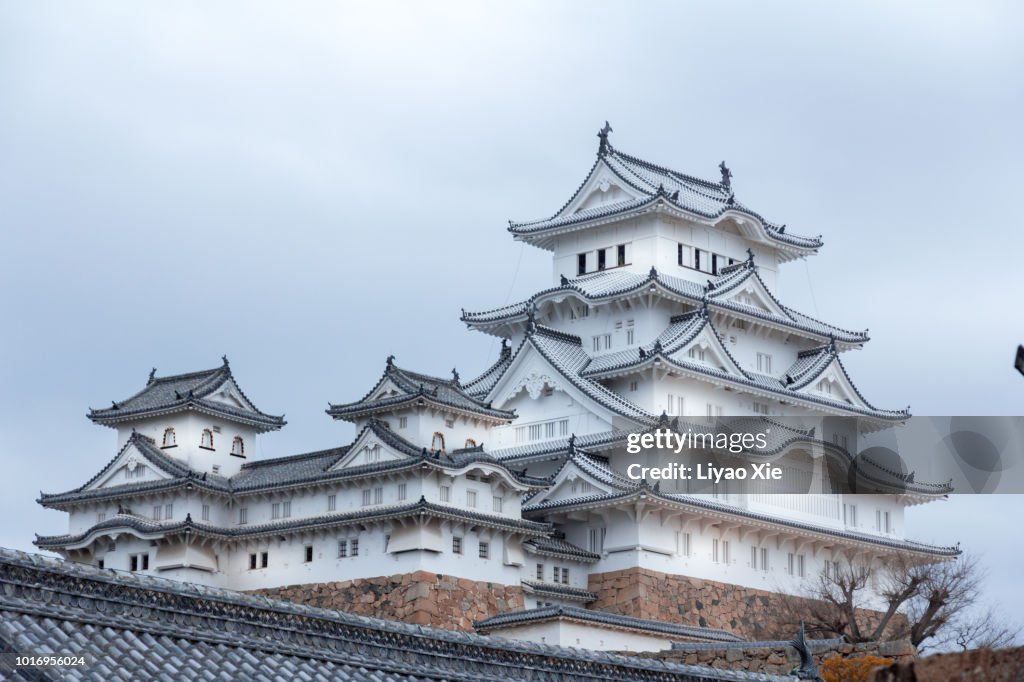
(228, 393)
(706, 349)
(752, 292)
(572, 481)
(369, 448)
(125, 469)
(386, 389)
(833, 383)
(601, 187)
(530, 376)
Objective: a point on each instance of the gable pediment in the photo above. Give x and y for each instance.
(387, 389)
(130, 466)
(369, 448)
(601, 188)
(572, 482)
(834, 384)
(752, 294)
(706, 349)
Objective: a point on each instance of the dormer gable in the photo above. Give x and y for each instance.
(751, 292)
(706, 349)
(581, 475)
(374, 445)
(601, 188)
(134, 464)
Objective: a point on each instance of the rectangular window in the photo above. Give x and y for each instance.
(264, 559)
(764, 559)
(888, 524)
(496, 503)
(457, 545)
(446, 493)
(243, 516)
(471, 498)
(332, 502)
(403, 422)
(366, 497)
(168, 511)
(286, 509)
(800, 565)
(850, 515)
(133, 562)
(157, 512)
(563, 427)
(554, 574)
(597, 536)
(760, 408)
(696, 354)
(378, 495)
(679, 253)
(387, 541)
(449, 423)
(596, 343)
(549, 430)
(275, 510)
(581, 264)
(485, 550)
(565, 576)
(309, 554)
(402, 491)
(206, 512)
(252, 561)
(620, 255)
(607, 341)
(764, 363)
(790, 563)
(540, 571)
(342, 549)
(600, 259)
(753, 557)
(683, 544)
(630, 337)
(633, 386)
(714, 411)
(670, 404)
(354, 545)
(714, 551)
(725, 552)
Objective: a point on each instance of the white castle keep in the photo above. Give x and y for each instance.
(660, 312)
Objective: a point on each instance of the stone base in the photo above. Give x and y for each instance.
(421, 598)
(748, 612)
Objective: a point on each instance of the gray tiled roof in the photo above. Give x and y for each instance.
(482, 385)
(657, 184)
(262, 475)
(642, 490)
(592, 441)
(609, 284)
(144, 525)
(133, 626)
(559, 591)
(164, 395)
(414, 387)
(558, 546)
(528, 616)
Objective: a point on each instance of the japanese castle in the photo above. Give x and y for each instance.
(660, 313)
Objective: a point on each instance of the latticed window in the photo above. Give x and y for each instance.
(238, 447)
(170, 440)
(207, 439)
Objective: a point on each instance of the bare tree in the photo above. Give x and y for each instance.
(929, 605)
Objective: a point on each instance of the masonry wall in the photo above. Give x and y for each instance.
(421, 598)
(781, 660)
(748, 612)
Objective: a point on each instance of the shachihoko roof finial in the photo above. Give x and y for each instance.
(225, 359)
(152, 375)
(455, 376)
(602, 135)
(807, 670)
(726, 175)
(391, 361)
(750, 255)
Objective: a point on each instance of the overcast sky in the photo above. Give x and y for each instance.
(311, 187)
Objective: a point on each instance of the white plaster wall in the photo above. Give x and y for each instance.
(563, 633)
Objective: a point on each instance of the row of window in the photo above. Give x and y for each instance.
(528, 433)
(558, 575)
(170, 440)
(483, 549)
(602, 259)
(699, 259)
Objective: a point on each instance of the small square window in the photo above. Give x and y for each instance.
(355, 546)
(457, 545)
(342, 549)
(264, 559)
(540, 571)
(485, 550)
(252, 562)
(309, 554)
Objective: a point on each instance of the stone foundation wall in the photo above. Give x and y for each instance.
(421, 598)
(748, 612)
(779, 660)
(1001, 665)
